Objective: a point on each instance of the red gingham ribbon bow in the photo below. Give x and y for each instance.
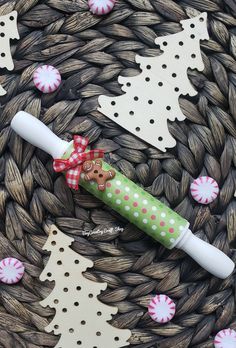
(73, 165)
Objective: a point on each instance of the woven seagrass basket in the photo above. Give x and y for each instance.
(90, 53)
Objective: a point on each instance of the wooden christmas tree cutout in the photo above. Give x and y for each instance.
(152, 97)
(80, 318)
(2, 91)
(8, 30)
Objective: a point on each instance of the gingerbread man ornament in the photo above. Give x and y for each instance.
(94, 171)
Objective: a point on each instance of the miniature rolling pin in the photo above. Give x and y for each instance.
(130, 201)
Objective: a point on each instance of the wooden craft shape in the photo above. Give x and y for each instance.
(2, 91)
(8, 30)
(152, 97)
(81, 319)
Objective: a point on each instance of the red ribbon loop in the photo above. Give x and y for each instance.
(73, 165)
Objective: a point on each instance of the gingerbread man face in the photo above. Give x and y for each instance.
(94, 171)
(88, 166)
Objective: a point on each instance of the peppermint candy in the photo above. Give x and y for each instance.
(161, 308)
(225, 339)
(101, 7)
(47, 78)
(204, 189)
(11, 270)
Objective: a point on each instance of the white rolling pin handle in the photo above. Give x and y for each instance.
(38, 134)
(206, 255)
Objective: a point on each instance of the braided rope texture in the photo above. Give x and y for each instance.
(90, 53)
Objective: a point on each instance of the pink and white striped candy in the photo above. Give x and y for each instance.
(101, 7)
(204, 189)
(225, 339)
(161, 308)
(11, 270)
(47, 78)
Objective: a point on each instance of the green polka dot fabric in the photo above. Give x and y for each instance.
(139, 207)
